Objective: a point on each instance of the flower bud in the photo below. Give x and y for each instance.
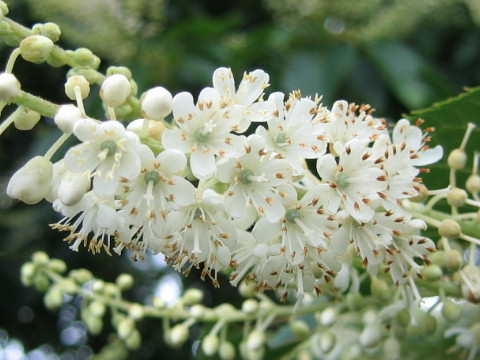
(3, 8)
(472, 290)
(81, 276)
(66, 117)
(27, 272)
(428, 325)
(125, 327)
(192, 297)
(255, 340)
(457, 159)
(403, 318)
(25, 119)
(98, 286)
(380, 289)
(456, 197)
(125, 281)
(135, 311)
(68, 286)
(49, 29)
(197, 311)
(210, 345)
(299, 328)
(178, 335)
(31, 182)
(226, 351)
(157, 103)
(449, 228)
(250, 306)
(40, 258)
(158, 302)
(94, 324)
(247, 289)
(371, 335)
(327, 341)
(97, 308)
(155, 128)
(72, 188)
(134, 340)
(473, 183)
(451, 311)
(53, 298)
(329, 316)
(115, 90)
(453, 260)
(36, 48)
(9, 87)
(432, 272)
(122, 70)
(85, 57)
(74, 81)
(391, 349)
(41, 282)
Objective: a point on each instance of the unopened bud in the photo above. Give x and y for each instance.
(115, 90)
(391, 349)
(49, 29)
(27, 272)
(125, 327)
(456, 197)
(40, 258)
(457, 159)
(134, 340)
(53, 298)
(85, 57)
(327, 341)
(94, 324)
(36, 48)
(3, 8)
(81, 276)
(428, 325)
(192, 296)
(122, 70)
(451, 311)
(299, 328)
(158, 302)
(380, 289)
(157, 103)
(68, 286)
(255, 340)
(72, 188)
(136, 312)
(247, 289)
(403, 318)
(25, 119)
(449, 228)
(210, 345)
(31, 182)
(371, 335)
(66, 117)
(329, 316)
(41, 282)
(432, 272)
(82, 83)
(97, 308)
(250, 306)
(178, 335)
(226, 351)
(9, 87)
(197, 311)
(453, 260)
(473, 183)
(124, 281)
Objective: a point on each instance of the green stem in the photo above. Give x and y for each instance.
(35, 103)
(11, 60)
(53, 149)
(6, 123)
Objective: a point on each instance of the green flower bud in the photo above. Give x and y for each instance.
(158, 302)
(403, 318)
(255, 340)
(391, 349)
(111, 290)
(327, 341)
(25, 119)
(53, 298)
(247, 289)
(457, 159)
(57, 265)
(36, 48)
(5, 29)
(125, 281)
(41, 282)
(380, 289)
(428, 325)
(122, 70)
(68, 286)
(3, 8)
(92, 76)
(179, 335)
(134, 340)
(192, 296)
(453, 260)
(398, 331)
(354, 301)
(74, 81)
(432, 272)
(197, 311)
(94, 324)
(85, 57)
(27, 272)
(97, 308)
(299, 328)
(210, 345)
(125, 327)
(438, 258)
(473, 183)
(136, 312)
(449, 228)
(451, 311)
(98, 286)
(226, 351)
(81, 276)
(49, 29)
(250, 306)
(328, 316)
(40, 258)
(457, 197)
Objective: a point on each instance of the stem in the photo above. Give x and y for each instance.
(53, 149)
(11, 60)
(6, 123)
(35, 103)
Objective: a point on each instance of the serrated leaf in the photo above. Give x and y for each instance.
(450, 118)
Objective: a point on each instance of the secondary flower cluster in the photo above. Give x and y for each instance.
(225, 184)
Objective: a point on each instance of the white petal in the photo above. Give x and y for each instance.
(223, 82)
(171, 162)
(183, 107)
(202, 164)
(176, 139)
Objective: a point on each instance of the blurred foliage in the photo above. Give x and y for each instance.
(396, 55)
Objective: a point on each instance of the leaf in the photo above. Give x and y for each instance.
(450, 118)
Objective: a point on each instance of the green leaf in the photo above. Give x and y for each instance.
(450, 118)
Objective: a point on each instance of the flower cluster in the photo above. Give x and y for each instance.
(228, 182)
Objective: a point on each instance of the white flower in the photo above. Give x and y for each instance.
(91, 215)
(67, 186)
(66, 117)
(32, 181)
(355, 180)
(411, 137)
(294, 131)
(108, 152)
(247, 96)
(344, 124)
(253, 177)
(203, 130)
